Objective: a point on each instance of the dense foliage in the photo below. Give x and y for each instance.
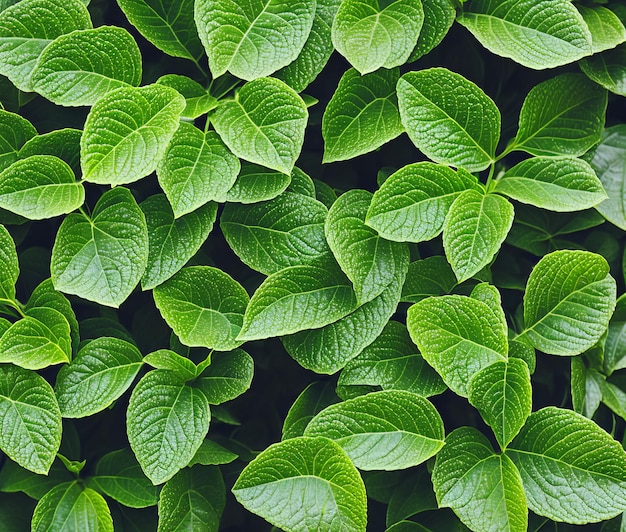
(235, 294)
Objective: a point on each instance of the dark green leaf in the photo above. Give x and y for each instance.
(313, 399)
(9, 265)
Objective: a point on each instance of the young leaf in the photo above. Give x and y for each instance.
(27, 27)
(431, 276)
(568, 302)
(31, 421)
(561, 454)
(458, 336)
(484, 489)
(412, 204)
(256, 183)
(255, 39)
(382, 430)
(560, 185)
(62, 143)
(81, 67)
(607, 69)
(439, 15)
(288, 471)
(9, 265)
(211, 453)
(197, 168)
(298, 298)
(264, 124)
(166, 422)
(197, 98)
(127, 132)
(270, 236)
(474, 229)
(362, 115)
(204, 307)
(371, 34)
(605, 27)
(101, 372)
(15, 131)
(313, 399)
(169, 360)
(567, 125)
(102, 258)
(228, 376)
(172, 242)
(450, 119)
(538, 36)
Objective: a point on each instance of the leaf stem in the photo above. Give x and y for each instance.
(492, 169)
(14, 304)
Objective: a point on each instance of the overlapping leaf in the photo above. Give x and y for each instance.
(227, 377)
(62, 143)
(439, 15)
(15, 131)
(431, 276)
(198, 101)
(605, 27)
(607, 69)
(256, 183)
(9, 265)
(313, 399)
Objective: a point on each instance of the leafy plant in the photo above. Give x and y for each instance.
(234, 294)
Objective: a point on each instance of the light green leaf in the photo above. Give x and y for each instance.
(197, 168)
(313, 399)
(562, 116)
(613, 397)
(40, 339)
(172, 242)
(392, 362)
(169, 26)
(615, 344)
(27, 27)
(204, 306)
(450, 119)
(458, 336)
(228, 376)
(81, 67)
(31, 421)
(72, 505)
(119, 475)
(439, 16)
(9, 265)
(474, 229)
(560, 185)
(127, 132)
(211, 453)
(569, 299)
(538, 36)
(372, 34)
(484, 489)
(166, 359)
(605, 27)
(315, 481)
(431, 276)
(62, 143)
(264, 124)
(607, 69)
(298, 298)
(412, 203)
(253, 39)
(166, 422)
(15, 131)
(561, 455)
(102, 258)
(285, 231)
(362, 115)
(101, 372)
(256, 183)
(197, 98)
(301, 183)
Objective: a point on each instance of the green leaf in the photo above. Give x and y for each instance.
(537, 36)
(560, 185)
(458, 336)
(71, 502)
(613, 397)
(192, 500)
(439, 16)
(474, 229)
(431, 276)
(412, 204)
(607, 69)
(313, 399)
(170, 27)
(197, 98)
(484, 489)
(119, 476)
(211, 453)
(301, 183)
(392, 362)
(81, 67)
(270, 236)
(40, 339)
(362, 115)
(450, 119)
(256, 183)
(382, 430)
(561, 454)
(413, 495)
(102, 258)
(568, 302)
(166, 359)
(172, 242)
(9, 265)
(15, 131)
(31, 421)
(228, 376)
(372, 34)
(502, 394)
(62, 143)
(254, 39)
(101, 372)
(204, 306)
(615, 344)
(291, 472)
(27, 27)
(127, 132)
(605, 27)
(295, 299)
(568, 124)
(265, 123)
(197, 168)
(14, 478)
(166, 423)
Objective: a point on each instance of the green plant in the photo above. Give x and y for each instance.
(159, 246)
